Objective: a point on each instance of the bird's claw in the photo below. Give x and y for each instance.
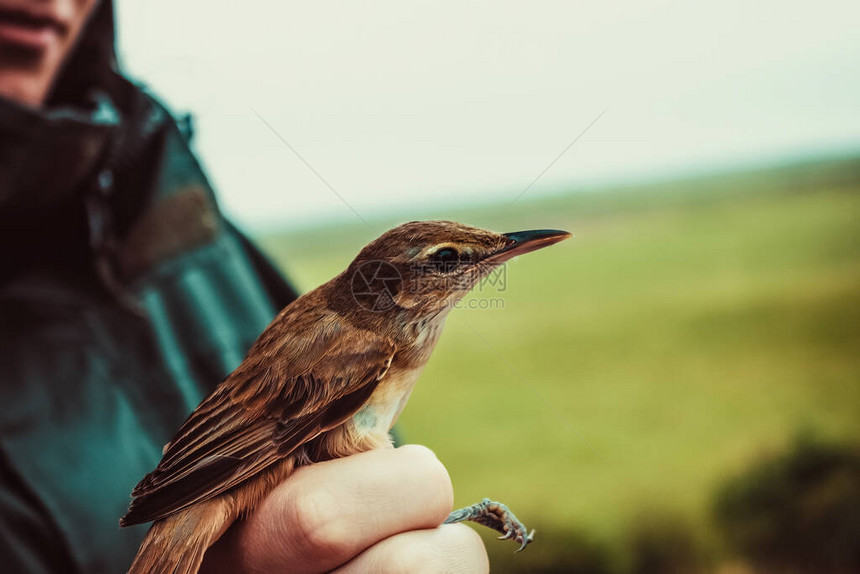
(526, 541)
(497, 516)
(516, 530)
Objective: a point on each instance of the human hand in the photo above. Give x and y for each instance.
(378, 511)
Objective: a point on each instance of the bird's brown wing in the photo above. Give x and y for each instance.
(256, 417)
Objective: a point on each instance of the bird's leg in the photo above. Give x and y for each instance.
(497, 516)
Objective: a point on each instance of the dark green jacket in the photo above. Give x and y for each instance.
(125, 296)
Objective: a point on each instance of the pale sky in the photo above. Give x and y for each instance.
(399, 105)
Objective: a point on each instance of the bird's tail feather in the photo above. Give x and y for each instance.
(176, 544)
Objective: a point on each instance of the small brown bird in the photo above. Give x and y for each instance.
(328, 378)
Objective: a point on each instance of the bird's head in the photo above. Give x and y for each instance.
(420, 269)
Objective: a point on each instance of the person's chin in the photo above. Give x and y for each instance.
(29, 58)
(23, 78)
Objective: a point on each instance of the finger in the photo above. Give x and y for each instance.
(451, 548)
(327, 513)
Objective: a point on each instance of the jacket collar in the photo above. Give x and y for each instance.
(46, 155)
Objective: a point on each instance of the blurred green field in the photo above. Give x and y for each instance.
(686, 329)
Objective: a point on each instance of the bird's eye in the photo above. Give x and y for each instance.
(445, 258)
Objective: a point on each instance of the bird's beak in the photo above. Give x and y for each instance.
(520, 242)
